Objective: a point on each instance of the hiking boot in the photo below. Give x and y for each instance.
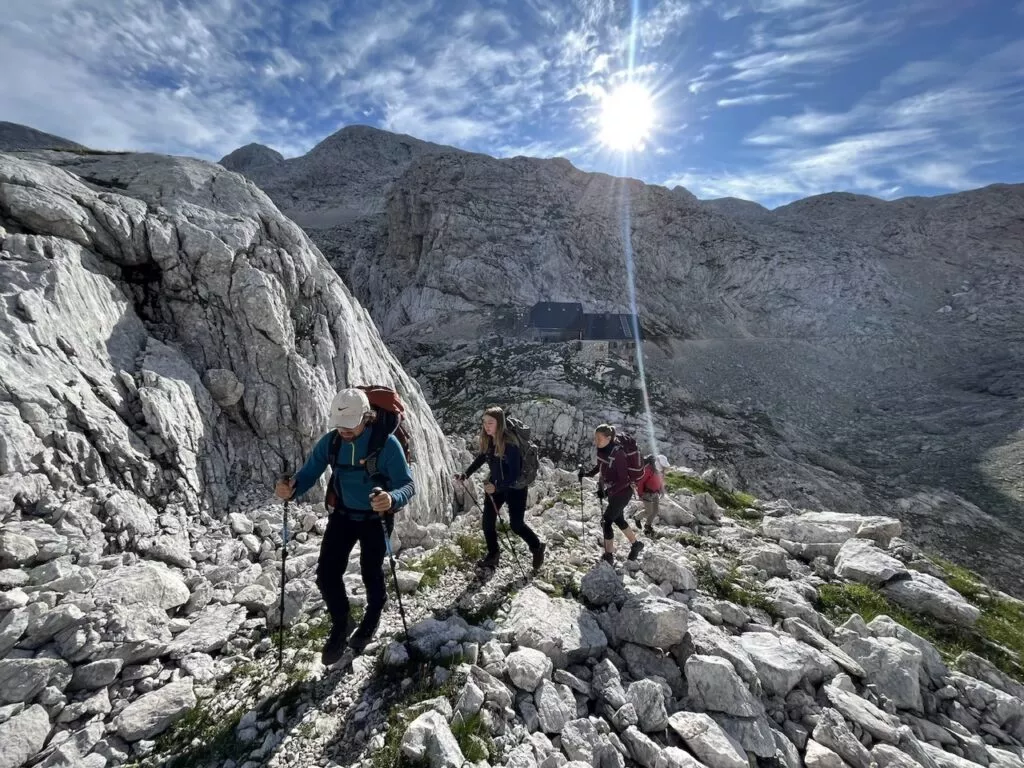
(636, 549)
(359, 641)
(489, 562)
(538, 556)
(334, 648)
(609, 558)
(364, 633)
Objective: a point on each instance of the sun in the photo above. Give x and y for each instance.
(627, 116)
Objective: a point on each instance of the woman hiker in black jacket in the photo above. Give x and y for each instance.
(614, 484)
(504, 459)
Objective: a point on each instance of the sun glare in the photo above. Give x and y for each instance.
(627, 115)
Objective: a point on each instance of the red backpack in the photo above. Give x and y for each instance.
(390, 412)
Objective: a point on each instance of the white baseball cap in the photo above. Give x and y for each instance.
(348, 408)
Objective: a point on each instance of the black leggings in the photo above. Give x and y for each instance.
(614, 513)
(516, 500)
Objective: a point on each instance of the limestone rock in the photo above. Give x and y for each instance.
(562, 629)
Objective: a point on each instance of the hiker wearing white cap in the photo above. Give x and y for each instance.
(363, 454)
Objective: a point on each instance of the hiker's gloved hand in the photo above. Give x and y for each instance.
(285, 488)
(460, 480)
(602, 493)
(489, 488)
(581, 473)
(381, 502)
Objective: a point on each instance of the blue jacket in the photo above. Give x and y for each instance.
(350, 479)
(505, 470)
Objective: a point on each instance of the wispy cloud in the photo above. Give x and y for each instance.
(942, 134)
(754, 98)
(761, 98)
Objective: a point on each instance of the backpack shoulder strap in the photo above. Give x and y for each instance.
(383, 427)
(332, 450)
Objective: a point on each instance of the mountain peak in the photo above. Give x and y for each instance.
(15, 137)
(251, 156)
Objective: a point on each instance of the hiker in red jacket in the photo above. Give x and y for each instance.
(614, 484)
(650, 488)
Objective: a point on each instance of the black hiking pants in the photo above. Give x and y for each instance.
(615, 513)
(339, 539)
(516, 500)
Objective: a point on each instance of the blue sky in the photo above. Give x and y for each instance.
(769, 100)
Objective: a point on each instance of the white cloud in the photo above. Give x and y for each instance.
(141, 76)
(939, 173)
(751, 99)
(662, 20)
(777, 6)
(764, 66)
(783, 130)
(932, 124)
(807, 39)
(284, 65)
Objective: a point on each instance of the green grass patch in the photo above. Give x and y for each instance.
(569, 496)
(399, 717)
(731, 587)
(566, 585)
(207, 733)
(963, 580)
(688, 539)
(473, 547)
(474, 740)
(998, 635)
(436, 564)
(733, 503)
(202, 736)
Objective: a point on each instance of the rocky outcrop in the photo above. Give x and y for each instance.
(136, 282)
(169, 343)
(15, 137)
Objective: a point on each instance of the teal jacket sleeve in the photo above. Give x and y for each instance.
(393, 464)
(315, 465)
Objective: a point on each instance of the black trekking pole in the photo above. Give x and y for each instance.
(583, 522)
(508, 537)
(394, 572)
(284, 578)
(471, 496)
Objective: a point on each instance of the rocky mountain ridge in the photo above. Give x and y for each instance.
(169, 340)
(16, 137)
(879, 339)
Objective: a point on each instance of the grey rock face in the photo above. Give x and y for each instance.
(782, 662)
(926, 594)
(562, 629)
(286, 322)
(714, 685)
(860, 560)
(430, 739)
(653, 622)
(154, 712)
(708, 741)
(822, 270)
(23, 736)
